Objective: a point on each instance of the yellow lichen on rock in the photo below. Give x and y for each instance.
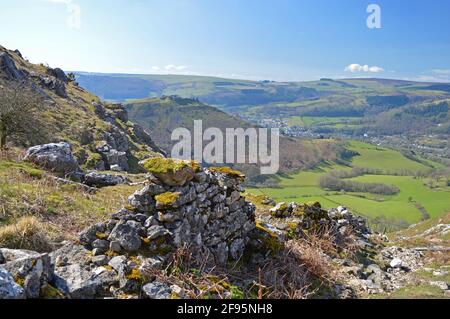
(167, 199)
(101, 235)
(160, 165)
(135, 275)
(171, 171)
(19, 280)
(50, 292)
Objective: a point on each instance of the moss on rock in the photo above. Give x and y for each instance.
(160, 165)
(167, 199)
(227, 171)
(171, 171)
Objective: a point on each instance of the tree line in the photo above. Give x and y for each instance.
(331, 182)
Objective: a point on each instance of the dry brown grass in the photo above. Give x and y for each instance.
(28, 233)
(298, 271)
(64, 209)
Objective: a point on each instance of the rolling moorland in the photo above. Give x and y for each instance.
(101, 226)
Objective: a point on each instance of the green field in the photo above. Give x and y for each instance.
(372, 156)
(303, 187)
(307, 121)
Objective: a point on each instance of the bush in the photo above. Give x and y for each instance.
(27, 233)
(331, 182)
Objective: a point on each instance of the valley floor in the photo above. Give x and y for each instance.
(419, 197)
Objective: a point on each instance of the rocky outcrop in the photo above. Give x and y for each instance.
(58, 74)
(29, 269)
(379, 268)
(115, 147)
(8, 67)
(53, 84)
(99, 180)
(54, 80)
(298, 218)
(58, 158)
(9, 289)
(77, 276)
(113, 157)
(55, 157)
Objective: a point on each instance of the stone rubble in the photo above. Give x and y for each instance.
(383, 269)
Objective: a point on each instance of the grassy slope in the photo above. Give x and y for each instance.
(436, 267)
(64, 210)
(73, 119)
(382, 158)
(303, 187)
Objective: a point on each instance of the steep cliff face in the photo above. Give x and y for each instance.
(100, 134)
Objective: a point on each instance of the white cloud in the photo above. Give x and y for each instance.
(156, 68)
(441, 71)
(60, 1)
(363, 68)
(73, 10)
(172, 67)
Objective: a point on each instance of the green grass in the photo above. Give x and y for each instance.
(313, 120)
(64, 209)
(435, 201)
(304, 187)
(23, 167)
(422, 291)
(372, 156)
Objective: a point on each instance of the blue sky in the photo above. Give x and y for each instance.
(255, 39)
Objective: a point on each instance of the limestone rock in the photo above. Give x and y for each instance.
(9, 289)
(155, 232)
(103, 180)
(396, 263)
(32, 272)
(127, 236)
(9, 68)
(56, 157)
(171, 172)
(59, 74)
(80, 282)
(156, 290)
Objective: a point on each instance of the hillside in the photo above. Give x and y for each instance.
(160, 116)
(351, 106)
(100, 134)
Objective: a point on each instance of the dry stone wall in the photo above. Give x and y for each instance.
(181, 204)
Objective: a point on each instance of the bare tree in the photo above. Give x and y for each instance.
(19, 118)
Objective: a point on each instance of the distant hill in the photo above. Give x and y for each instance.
(374, 106)
(160, 116)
